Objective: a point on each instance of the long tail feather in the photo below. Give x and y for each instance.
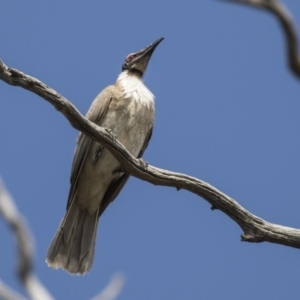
(73, 246)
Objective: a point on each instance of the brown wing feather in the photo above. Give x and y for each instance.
(95, 114)
(146, 142)
(116, 186)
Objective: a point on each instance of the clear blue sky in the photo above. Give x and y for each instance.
(227, 112)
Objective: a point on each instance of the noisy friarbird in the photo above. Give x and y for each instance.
(127, 109)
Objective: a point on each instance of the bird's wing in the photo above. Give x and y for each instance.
(95, 114)
(146, 142)
(116, 186)
(112, 192)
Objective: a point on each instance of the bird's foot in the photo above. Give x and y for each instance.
(143, 164)
(111, 134)
(118, 170)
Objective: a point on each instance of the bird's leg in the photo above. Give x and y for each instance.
(97, 154)
(119, 170)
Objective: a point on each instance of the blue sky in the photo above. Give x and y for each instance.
(227, 112)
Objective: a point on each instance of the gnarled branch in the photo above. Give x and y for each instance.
(254, 228)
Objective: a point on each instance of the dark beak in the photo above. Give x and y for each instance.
(145, 53)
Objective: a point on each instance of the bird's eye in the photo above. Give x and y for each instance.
(130, 57)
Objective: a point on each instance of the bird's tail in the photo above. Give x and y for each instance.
(73, 246)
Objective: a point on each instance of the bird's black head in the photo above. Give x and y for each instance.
(137, 62)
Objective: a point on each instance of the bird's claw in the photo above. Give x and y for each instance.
(143, 163)
(110, 132)
(118, 170)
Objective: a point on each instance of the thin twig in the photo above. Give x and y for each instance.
(10, 214)
(277, 9)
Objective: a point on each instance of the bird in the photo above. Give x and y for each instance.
(126, 109)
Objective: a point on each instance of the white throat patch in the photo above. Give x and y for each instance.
(134, 88)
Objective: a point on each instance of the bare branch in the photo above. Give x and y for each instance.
(9, 212)
(255, 229)
(113, 289)
(6, 293)
(287, 24)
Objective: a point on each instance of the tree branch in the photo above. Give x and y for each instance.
(254, 228)
(286, 21)
(113, 288)
(34, 288)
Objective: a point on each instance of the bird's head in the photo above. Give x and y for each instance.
(137, 62)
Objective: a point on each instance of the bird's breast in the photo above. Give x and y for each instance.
(131, 112)
(132, 120)
(130, 117)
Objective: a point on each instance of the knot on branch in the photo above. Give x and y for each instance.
(251, 237)
(213, 207)
(13, 72)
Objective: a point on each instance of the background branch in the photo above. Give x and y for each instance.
(7, 293)
(10, 214)
(277, 9)
(113, 289)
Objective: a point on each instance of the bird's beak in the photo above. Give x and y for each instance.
(144, 54)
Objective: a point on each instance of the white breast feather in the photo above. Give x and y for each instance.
(134, 88)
